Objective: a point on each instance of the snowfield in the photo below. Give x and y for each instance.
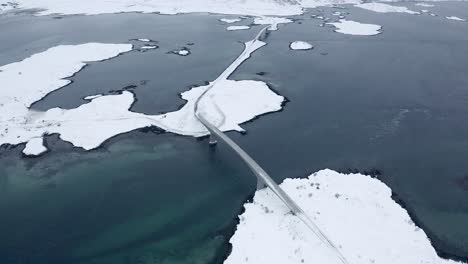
(234, 28)
(355, 211)
(386, 8)
(106, 116)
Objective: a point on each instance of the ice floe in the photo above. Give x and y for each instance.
(386, 8)
(455, 18)
(230, 20)
(355, 28)
(273, 21)
(105, 116)
(300, 45)
(355, 211)
(234, 28)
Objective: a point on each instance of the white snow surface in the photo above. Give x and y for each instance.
(6, 6)
(455, 18)
(144, 40)
(182, 52)
(301, 45)
(386, 8)
(355, 28)
(230, 20)
(148, 47)
(424, 5)
(91, 97)
(234, 28)
(228, 7)
(355, 211)
(273, 21)
(92, 123)
(35, 147)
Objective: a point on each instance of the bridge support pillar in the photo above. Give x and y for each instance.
(213, 140)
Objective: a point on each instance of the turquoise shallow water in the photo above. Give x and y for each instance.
(395, 102)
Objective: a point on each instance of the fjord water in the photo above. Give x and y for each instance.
(395, 102)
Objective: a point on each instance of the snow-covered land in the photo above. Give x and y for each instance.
(230, 20)
(229, 7)
(35, 147)
(386, 8)
(105, 116)
(355, 28)
(424, 5)
(355, 211)
(234, 28)
(7, 5)
(300, 45)
(455, 18)
(273, 21)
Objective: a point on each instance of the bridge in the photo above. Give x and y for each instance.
(263, 179)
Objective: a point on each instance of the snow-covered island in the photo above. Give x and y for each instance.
(300, 45)
(105, 116)
(355, 211)
(355, 28)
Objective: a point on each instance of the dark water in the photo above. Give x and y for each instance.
(396, 102)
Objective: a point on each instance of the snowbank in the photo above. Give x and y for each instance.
(355, 211)
(300, 45)
(355, 28)
(386, 8)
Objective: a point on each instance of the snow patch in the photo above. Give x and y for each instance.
(424, 5)
(144, 40)
(300, 45)
(386, 8)
(228, 7)
(355, 28)
(230, 20)
(273, 21)
(182, 52)
(91, 97)
(149, 47)
(455, 18)
(34, 147)
(234, 28)
(355, 211)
